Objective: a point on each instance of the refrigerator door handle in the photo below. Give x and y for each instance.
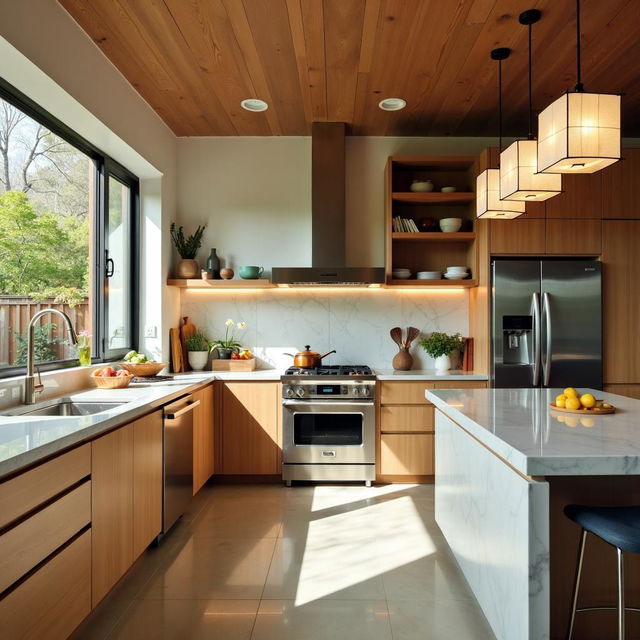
(546, 312)
(535, 305)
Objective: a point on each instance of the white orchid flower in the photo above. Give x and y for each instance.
(242, 325)
(229, 322)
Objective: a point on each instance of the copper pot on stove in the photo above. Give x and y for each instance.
(308, 359)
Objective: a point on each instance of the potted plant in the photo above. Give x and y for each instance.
(198, 351)
(187, 248)
(227, 346)
(440, 346)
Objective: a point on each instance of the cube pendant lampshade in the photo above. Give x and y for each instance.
(519, 177)
(579, 133)
(488, 203)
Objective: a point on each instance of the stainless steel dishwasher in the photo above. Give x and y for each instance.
(178, 459)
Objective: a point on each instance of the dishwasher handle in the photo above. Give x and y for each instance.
(174, 415)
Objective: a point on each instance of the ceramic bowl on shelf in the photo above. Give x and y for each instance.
(450, 225)
(421, 186)
(456, 275)
(429, 275)
(449, 189)
(458, 268)
(401, 274)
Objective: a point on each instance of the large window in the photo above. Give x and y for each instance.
(68, 240)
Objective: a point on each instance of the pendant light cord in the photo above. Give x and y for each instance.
(530, 136)
(500, 105)
(579, 85)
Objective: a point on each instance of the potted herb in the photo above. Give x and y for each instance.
(227, 346)
(187, 248)
(440, 346)
(198, 351)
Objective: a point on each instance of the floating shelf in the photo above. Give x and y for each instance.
(434, 197)
(468, 283)
(435, 236)
(198, 283)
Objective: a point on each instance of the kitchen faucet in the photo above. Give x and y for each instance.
(30, 386)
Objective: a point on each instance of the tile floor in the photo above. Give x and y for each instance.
(264, 562)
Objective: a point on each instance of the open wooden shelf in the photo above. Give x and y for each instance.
(435, 236)
(198, 283)
(468, 283)
(434, 197)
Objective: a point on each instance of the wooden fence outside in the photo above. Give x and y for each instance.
(15, 313)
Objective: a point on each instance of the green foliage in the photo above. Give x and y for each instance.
(187, 247)
(197, 342)
(44, 255)
(44, 344)
(441, 344)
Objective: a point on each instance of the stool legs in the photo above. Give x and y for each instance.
(620, 595)
(576, 583)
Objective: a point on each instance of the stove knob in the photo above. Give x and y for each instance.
(288, 391)
(301, 392)
(356, 392)
(366, 392)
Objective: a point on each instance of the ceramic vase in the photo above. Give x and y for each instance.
(187, 269)
(213, 265)
(198, 360)
(84, 356)
(403, 360)
(443, 364)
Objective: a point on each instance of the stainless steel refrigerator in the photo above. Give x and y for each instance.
(546, 323)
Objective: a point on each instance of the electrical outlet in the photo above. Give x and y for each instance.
(150, 332)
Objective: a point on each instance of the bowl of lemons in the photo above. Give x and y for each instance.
(572, 401)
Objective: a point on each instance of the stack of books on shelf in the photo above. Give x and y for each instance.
(404, 225)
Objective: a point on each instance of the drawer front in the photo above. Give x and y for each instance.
(406, 454)
(461, 384)
(53, 601)
(31, 541)
(407, 418)
(32, 488)
(404, 392)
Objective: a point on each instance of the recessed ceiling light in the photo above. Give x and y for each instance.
(392, 104)
(253, 104)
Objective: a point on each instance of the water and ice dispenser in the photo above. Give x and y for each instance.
(517, 340)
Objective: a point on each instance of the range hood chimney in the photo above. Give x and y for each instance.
(328, 244)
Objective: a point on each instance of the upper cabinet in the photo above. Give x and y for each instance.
(581, 197)
(620, 193)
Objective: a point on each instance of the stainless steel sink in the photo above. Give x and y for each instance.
(64, 407)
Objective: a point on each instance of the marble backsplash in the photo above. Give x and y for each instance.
(355, 323)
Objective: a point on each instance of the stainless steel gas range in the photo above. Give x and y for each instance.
(329, 424)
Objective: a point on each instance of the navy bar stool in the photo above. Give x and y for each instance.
(619, 527)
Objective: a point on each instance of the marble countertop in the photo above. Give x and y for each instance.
(424, 374)
(519, 426)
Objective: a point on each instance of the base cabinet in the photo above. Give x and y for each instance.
(407, 454)
(203, 438)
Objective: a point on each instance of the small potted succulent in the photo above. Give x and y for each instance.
(187, 248)
(440, 346)
(198, 351)
(229, 345)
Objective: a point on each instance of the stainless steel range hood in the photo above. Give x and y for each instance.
(328, 250)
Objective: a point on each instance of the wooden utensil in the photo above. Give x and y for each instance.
(396, 335)
(176, 350)
(187, 330)
(412, 334)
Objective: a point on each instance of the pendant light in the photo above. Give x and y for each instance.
(579, 132)
(488, 203)
(519, 177)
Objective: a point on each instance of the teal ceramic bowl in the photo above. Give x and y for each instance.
(250, 273)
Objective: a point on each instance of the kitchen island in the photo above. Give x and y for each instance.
(506, 465)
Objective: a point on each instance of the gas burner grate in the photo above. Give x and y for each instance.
(333, 370)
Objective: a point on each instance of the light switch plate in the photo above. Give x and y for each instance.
(150, 332)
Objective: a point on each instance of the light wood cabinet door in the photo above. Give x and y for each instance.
(574, 237)
(147, 481)
(621, 301)
(406, 392)
(406, 454)
(203, 438)
(515, 237)
(111, 509)
(407, 418)
(250, 428)
(628, 390)
(581, 197)
(620, 193)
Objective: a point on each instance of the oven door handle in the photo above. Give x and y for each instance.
(322, 403)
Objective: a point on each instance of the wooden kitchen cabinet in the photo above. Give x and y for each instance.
(407, 454)
(620, 193)
(621, 301)
(250, 416)
(517, 237)
(203, 438)
(581, 197)
(574, 237)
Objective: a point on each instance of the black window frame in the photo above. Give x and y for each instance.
(104, 167)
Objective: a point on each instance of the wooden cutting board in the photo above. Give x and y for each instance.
(176, 351)
(187, 330)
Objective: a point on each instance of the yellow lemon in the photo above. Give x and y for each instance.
(561, 402)
(570, 392)
(561, 398)
(587, 400)
(587, 422)
(571, 421)
(572, 403)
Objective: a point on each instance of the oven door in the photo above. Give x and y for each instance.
(329, 432)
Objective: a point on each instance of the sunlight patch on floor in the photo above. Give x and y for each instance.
(328, 497)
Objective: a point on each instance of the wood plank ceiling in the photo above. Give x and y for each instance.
(334, 60)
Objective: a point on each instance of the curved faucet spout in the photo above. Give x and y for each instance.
(30, 387)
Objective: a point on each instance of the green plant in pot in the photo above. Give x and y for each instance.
(198, 351)
(440, 346)
(187, 247)
(227, 346)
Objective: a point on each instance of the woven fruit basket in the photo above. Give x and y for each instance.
(111, 382)
(144, 369)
